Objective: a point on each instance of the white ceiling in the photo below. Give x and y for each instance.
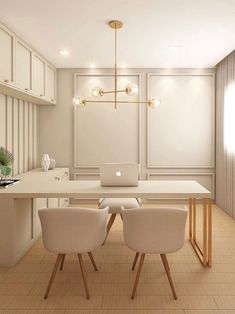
(205, 30)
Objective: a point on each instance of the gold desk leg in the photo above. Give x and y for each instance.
(204, 254)
(190, 218)
(194, 218)
(205, 232)
(209, 209)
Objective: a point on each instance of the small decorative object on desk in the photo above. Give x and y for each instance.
(6, 160)
(52, 164)
(45, 162)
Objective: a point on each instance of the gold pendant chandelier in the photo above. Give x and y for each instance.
(130, 89)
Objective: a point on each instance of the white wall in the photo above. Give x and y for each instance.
(19, 132)
(174, 141)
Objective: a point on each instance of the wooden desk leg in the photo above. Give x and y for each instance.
(194, 218)
(205, 232)
(209, 209)
(190, 218)
(204, 253)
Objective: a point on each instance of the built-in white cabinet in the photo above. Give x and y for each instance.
(6, 56)
(38, 76)
(50, 83)
(38, 203)
(23, 66)
(25, 74)
(53, 203)
(20, 225)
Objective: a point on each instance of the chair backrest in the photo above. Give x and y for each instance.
(77, 230)
(154, 230)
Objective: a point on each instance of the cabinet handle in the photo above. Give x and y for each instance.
(6, 81)
(26, 88)
(52, 99)
(41, 95)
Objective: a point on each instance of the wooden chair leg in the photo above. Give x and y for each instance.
(62, 262)
(92, 260)
(110, 223)
(135, 260)
(83, 275)
(165, 262)
(167, 269)
(138, 274)
(57, 263)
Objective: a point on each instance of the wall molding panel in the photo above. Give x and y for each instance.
(188, 112)
(100, 126)
(19, 132)
(84, 138)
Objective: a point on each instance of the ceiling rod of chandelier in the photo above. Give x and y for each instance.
(130, 89)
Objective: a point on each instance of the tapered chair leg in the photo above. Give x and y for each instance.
(138, 275)
(92, 260)
(62, 262)
(83, 275)
(57, 263)
(167, 269)
(135, 260)
(165, 261)
(110, 223)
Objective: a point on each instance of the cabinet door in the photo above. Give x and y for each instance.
(53, 202)
(38, 76)
(50, 83)
(23, 66)
(6, 56)
(38, 203)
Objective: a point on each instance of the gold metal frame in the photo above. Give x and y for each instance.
(204, 253)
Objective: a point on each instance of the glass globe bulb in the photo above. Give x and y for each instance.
(78, 101)
(154, 102)
(97, 92)
(132, 89)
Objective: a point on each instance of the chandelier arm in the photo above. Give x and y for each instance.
(118, 101)
(113, 91)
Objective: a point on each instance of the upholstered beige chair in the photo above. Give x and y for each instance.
(72, 230)
(154, 230)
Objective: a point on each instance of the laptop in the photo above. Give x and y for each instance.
(119, 174)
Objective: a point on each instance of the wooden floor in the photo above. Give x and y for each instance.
(199, 290)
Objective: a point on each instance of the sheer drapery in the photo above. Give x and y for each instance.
(225, 134)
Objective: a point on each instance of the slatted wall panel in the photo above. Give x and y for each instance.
(19, 132)
(225, 158)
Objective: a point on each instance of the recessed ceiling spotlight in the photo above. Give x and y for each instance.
(175, 48)
(92, 65)
(64, 52)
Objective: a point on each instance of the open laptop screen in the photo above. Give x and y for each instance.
(119, 174)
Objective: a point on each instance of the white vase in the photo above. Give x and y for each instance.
(52, 164)
(45, 162)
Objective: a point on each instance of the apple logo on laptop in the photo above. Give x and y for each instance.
(118, 174)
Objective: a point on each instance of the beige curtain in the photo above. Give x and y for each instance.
(225, 134)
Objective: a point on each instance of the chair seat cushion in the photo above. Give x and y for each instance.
(115, 204)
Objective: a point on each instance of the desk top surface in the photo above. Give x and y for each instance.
(37, 184)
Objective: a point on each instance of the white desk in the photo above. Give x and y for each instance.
(36, 184)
